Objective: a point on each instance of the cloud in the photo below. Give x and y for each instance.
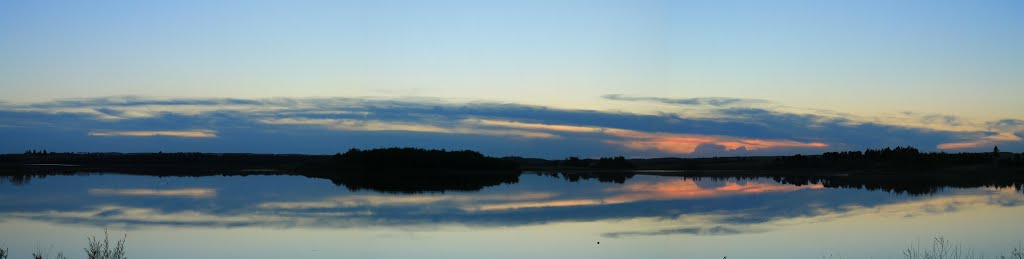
(688, 143)
(146, 216)
(307, 125)
(712, 231)
(536, 126)
(1003, 135)
(949, 120)
(145, 101)
(376, 125)
(358, 125)
(159, 133)
(190, 192)
(1007, 125)
(1006, 131)
(355, 201)
(699, 101)
(667, 142)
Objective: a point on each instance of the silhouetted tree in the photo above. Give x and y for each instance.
(415, 158)
(898, 158)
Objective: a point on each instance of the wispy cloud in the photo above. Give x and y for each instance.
(539, 204)
(711, 231)
(536, 126)
(949, 120)
(1007, 125)
(190, 192)
(666, 142)
(983, 142)
(376, 125)
(355, 201)
(158, 133)
(709, 101)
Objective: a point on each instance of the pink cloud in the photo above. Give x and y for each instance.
(666, 142)
(688, 143)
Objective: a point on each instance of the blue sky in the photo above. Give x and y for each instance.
(540, 78)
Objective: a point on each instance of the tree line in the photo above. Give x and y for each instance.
(899, 158)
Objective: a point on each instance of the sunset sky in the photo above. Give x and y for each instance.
(531, 78)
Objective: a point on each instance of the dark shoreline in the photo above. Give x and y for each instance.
(410, 170)
(901, 160)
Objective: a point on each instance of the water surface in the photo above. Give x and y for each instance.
(538, 216)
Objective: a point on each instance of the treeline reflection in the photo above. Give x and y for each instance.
(413, 181)
(899, 184)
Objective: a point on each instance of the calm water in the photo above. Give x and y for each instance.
(540, 216)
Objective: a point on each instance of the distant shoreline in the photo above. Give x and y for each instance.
(889, 161)
(410, 170)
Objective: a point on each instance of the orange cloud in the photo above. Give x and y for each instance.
(963, 145)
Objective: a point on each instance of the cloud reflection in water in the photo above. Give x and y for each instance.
(662, 205)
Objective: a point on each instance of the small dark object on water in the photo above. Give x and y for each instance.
(598, 242)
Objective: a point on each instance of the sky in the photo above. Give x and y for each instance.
(532, 78)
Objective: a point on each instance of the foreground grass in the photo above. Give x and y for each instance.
(941, 248)
(944, 249)
(96, 249)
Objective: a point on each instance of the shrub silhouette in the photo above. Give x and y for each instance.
(102, 250)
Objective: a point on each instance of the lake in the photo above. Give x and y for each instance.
(538, 216)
